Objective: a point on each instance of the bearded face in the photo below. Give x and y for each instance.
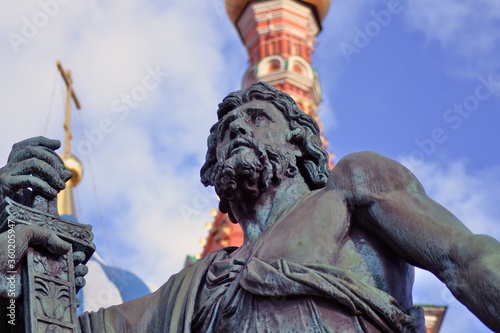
(243, 171)
(253, 153)
(247, 169)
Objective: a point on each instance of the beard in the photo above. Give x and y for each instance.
(248, 169)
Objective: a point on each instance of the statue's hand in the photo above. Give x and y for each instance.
(80, 270)
(33, 163)
(11, 253)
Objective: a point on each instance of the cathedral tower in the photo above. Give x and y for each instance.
(279, 36)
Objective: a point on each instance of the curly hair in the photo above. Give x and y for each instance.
(313, 164)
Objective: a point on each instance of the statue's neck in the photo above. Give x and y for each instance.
(256, 216)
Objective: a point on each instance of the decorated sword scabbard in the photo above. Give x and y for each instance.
(49, 299)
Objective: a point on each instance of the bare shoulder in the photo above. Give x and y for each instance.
(369, 173)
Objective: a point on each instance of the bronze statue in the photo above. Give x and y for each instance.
(324, 251)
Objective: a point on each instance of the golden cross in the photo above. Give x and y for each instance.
(70, 93)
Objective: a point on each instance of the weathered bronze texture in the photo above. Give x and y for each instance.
(324, 250)
(49, 294)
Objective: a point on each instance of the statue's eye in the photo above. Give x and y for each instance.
(260, 119)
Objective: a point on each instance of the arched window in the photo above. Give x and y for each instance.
(269, 64)
(297, 68)
(300, 65)
(274, 65)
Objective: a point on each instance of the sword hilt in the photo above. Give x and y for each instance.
(48, 282)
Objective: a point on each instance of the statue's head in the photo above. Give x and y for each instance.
(261, 137)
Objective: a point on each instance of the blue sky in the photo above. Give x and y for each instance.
(395, 95)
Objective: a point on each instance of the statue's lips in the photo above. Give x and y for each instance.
(238, 145)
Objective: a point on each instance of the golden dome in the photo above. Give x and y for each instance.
(74, 165)
(234, 8)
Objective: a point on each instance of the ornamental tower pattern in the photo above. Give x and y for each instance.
(279, 36)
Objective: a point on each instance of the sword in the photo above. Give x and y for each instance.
(48, 303)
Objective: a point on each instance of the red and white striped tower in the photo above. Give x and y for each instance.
(279, 36)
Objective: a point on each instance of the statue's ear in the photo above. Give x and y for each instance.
(296, 137)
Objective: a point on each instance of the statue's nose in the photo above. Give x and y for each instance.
(237, 128)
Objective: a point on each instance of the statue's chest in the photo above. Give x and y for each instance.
(313, 232)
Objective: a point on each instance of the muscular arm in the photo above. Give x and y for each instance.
(389, 201)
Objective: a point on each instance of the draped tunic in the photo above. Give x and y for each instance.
(224, 294)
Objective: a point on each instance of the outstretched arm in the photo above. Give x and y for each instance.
(390, 202)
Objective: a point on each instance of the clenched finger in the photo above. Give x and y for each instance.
(15, 183)
(41, 153)
(36, 141)
(78, 257)
(79, 282)
(40, 169)
(81, 270)
(38, 236)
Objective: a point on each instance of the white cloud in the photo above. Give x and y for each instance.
(474, 199)
(468, 28)
(146, 168)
